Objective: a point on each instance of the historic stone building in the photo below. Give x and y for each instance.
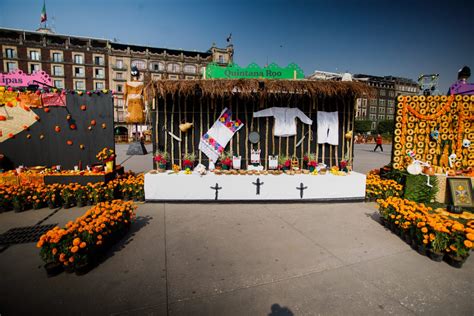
(85, 63)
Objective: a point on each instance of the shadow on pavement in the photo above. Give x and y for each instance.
(278, 310)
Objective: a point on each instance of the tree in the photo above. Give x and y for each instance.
(362, 126)
(385, 127)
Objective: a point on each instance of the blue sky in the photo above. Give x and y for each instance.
(401, 38)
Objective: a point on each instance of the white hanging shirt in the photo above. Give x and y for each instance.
(285, 119)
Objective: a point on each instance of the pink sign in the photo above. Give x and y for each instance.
(19, 79)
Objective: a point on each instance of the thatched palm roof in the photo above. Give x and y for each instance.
(249, 87)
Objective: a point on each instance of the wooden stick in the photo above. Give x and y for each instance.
(165, 123)
(193, 139)
(246, 135)
(200, 127)
(344, 126)
(315, 106)
(171, 128)
(266, 144)
(186, 134)
(155, 101)
(233, 118)
(238, 134)
(180, 133)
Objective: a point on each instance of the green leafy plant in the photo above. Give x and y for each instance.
(416, 188)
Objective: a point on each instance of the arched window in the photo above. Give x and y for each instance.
(157, 66)
(190, 69)
(173, 67)
(140, 64)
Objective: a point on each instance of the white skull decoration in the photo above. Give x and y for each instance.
(466, 143)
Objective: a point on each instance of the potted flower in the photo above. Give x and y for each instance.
(226, 161)
(161, 159)
(188, 161)
(67, 196)
(80, 195)
(439, 243)
(107, 156)
(311, 162)
(343, 166)
(285, 162)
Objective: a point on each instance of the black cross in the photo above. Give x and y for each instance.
(301, 188)
(258, 184)
(217, 188)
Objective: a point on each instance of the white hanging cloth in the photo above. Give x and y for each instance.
(328, 127)
(285, 119)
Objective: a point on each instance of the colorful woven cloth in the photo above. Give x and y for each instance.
(213, 142)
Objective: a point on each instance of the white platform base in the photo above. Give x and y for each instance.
(181, 187)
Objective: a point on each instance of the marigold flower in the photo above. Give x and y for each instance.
(74, 249)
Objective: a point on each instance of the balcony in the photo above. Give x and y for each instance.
(119, 67)
(99, 63)
(116, 78)
(58, 74)
(57, 59)
(96, 76)
(79, 75)
(34, 58)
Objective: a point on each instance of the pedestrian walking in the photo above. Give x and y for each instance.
(378, 141)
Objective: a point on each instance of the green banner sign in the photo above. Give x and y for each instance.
(252, 71)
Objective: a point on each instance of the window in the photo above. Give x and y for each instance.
(390, 103)
(389, 117)
(373, 109)
(34, 55)
(221, 59)
(391, 93)
(381, 117)
(34, 68)
(99, 73)
(373, 101)
(156, 76)
(173, 68)
(10, 53)
(79, 72)
(119, 88)
(157, 67)
(78, 59)
(119, 75)
(59, 84)
(99, 85)
(140, 64)
(190, 69)
(120, 102)
(373, 117)
(58, 71)
(382, 92)
(364, 102)
(80, 85)
(173, 77)
(119, 64)
(99, 60)
(189, 77)
(382, 102)
(381, 110)
(11, 66)
(57, 57)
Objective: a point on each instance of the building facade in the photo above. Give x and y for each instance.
(84, 63)
(381, 106)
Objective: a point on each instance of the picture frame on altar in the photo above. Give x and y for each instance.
(461, 192)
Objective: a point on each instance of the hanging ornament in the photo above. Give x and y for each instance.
(89, 93)
(28, 136)
(93, 122)
(81, 146)
(46, 110)
(37, 117)
(83, 107)
(72, 126)
(68, 117)
(90, 128)
(104, 126)
(80, 92)
(69, 142)
(10, 135)
(57, 129)
(41, 136)
(25, 127)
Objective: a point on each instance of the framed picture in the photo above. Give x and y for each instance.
(461, 192)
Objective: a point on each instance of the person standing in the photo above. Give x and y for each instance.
(378, 141)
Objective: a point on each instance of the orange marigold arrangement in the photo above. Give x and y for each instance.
(378, 188)
(76, 245)
(26, 196)
(436, 231)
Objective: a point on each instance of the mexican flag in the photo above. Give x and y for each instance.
(44, 17)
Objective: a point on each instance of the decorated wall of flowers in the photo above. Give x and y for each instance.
(438, 130)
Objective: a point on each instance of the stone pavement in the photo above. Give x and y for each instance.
(241, 259)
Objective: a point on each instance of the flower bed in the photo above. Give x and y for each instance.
(25, 197)
(434, 232)
(77, 246)
(377, 188)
